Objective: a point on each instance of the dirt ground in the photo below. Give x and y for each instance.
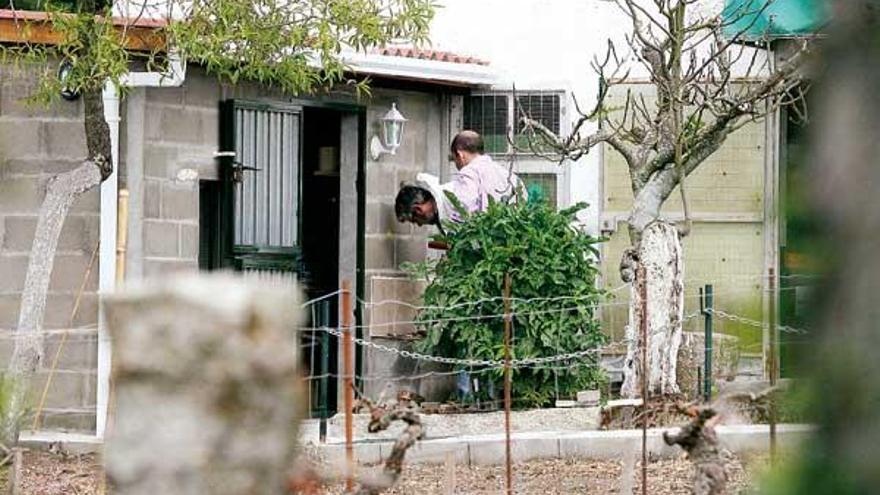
(45, 473)
(558, 477)
(54, 474)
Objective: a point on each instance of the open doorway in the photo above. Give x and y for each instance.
(274, 212)
(320, 248)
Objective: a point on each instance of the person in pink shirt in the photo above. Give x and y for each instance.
(478, 179)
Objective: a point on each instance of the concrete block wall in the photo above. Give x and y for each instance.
(170, 129)
(390, 243)
(37, 143)
(167, 130)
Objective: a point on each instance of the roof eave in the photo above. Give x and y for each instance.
(434, 71)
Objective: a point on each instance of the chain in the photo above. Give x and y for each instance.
(754, 323)
(516, 363)
(691, 316)
(465, 362)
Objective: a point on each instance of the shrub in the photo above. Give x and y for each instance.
(554, 293)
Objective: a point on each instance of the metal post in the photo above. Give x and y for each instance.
(708, 344)
(643, 323)
(324, 383)
(507, 400)
(348, 363)
(773, 359)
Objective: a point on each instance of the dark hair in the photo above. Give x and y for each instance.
(469, 141)
(408, 196)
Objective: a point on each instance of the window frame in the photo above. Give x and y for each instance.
(530, 163)
(511, 114)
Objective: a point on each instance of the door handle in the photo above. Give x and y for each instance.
(238, 171)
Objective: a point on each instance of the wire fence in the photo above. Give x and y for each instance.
(400, 366)
(320, 341)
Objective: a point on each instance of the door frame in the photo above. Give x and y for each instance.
(223, 248)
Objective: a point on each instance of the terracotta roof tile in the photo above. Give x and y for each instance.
(422, 54)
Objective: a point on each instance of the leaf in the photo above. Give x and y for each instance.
(457, 206)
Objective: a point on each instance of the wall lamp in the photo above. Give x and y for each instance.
(392, 133)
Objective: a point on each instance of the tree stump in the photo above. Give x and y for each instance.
(660, 253)
(208, 399)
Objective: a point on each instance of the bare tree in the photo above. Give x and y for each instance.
(708, 84)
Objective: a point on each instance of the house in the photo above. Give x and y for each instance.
(236, 177)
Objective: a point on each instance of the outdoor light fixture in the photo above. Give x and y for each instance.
(392, 132)
(63, 73)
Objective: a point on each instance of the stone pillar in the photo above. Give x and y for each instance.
(207, 396)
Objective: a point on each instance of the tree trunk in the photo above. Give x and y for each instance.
(660, 253)
(208, 399)
(61, 192)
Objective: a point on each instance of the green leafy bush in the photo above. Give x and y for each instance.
(553, 270)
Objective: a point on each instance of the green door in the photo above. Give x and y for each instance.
(262, 176)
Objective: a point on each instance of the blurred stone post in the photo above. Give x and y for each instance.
(207, 396)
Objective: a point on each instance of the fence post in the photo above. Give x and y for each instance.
(708, 343)
(323, 384)
(507, 399)
(773, 359)
(642, 281)
(348, 363)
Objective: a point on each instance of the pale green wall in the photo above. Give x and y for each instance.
(726, 245)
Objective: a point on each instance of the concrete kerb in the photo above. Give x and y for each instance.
(490, 449)
(66, 442)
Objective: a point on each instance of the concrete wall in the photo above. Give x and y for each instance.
(390, 243)
(170, 129)
(37, 143)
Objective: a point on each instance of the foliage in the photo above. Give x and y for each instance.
(547, 258)
(295, 46)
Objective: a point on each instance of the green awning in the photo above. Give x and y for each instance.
(758, 19)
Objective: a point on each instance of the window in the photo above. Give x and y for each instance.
(491, 115)
(541, 187)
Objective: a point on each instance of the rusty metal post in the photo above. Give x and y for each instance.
(773, 360)
(643, 324)
(348, 364)
(507, 400)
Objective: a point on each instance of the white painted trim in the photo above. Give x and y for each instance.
(173, 76)
(414, 68)
(107, 257)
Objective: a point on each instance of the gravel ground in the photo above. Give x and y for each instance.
(446, 425)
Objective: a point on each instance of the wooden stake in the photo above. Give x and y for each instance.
(15, 473)
(507, 399)
(39, 411)
(348, 363)
(773, 359)
(450, 474)
(121, 235)
(643, 323)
